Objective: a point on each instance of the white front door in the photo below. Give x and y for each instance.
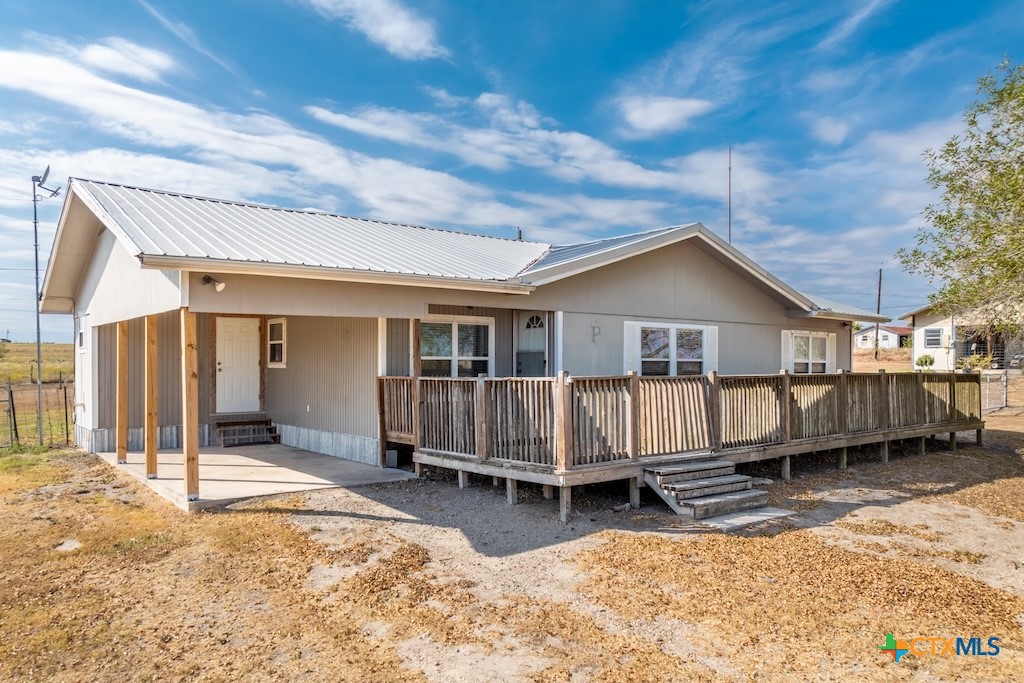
(531, 344)
(238, 365)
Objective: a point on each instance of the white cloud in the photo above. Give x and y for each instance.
(829, 130)
(388, 23)
(850, 24)
(187, 35)
(651, 116)
(117, 55)
(515, 133)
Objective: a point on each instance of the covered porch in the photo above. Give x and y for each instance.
(243, 472)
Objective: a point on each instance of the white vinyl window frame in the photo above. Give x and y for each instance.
(793, 364)
(633, 329)
(932, 337)
(455, 357)
(275, 360)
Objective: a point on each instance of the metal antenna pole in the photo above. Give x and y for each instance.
(39, 347)
(730, 195)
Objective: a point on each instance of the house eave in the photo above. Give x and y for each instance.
(823, 314)
(327, 273)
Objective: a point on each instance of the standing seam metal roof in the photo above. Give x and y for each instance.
(178, 225)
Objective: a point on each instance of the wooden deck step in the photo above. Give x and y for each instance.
(697, 488)
(723, 504)
(693, 470)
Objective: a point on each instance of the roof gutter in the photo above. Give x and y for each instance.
(327, 273)
(826, 314)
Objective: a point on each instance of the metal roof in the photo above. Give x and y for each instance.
(171, 230)
(174, 225)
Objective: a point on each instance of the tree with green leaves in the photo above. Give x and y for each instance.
(974, 249)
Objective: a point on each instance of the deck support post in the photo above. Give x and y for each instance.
(564, 503)
(952, 441)
(511, 490)
(548, 490)
(417, 469)
(463, 479)
(151, 396)
(842, 458)
(190, 403)
(785, 467)
(977, 438)
(921, 445)
(885, 451)
(634, 493)
(122, 393)
(495, 481)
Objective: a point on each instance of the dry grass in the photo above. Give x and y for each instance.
(153, 594)
(890, 360)
(18, 364)
(792, 605)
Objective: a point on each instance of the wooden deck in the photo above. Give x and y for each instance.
(567, 431)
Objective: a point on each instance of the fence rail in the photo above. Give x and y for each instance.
(564, 423)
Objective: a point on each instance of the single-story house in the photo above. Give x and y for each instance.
(216, 310)
(950, 338)
(889, 337)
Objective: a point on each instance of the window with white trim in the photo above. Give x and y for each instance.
(808, 353)
(460, 347)
(933, 337)
(670, 349)
(277, 343)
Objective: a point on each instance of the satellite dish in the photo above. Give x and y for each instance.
(46, 174)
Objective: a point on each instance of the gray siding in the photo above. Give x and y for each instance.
(503, 332)
(398, 347)
(329, 384)
(168, 371)
(742, 348)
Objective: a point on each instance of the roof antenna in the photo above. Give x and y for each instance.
(730, 195)
(519, 234)
(37, 182)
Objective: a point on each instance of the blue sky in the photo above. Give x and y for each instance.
(571, 120)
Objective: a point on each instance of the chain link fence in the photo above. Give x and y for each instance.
(1003, 389)
(19, 414)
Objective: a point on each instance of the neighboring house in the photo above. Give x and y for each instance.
(948, 339)
(889, 337)
(293, 314)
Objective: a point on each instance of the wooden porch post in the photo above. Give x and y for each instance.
(190, 403)
(564, 503)
(151, 396)
(122, 392)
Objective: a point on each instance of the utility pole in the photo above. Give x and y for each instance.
(878, 310)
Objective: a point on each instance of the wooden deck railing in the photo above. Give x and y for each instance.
(564, 423)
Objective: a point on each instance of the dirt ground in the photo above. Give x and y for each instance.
(890, 360)
(422, 581)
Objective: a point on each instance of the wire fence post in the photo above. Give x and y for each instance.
(67, 424)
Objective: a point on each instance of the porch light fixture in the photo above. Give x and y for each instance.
(217, 284)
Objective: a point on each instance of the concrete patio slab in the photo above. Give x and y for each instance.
(228, 475)
(739, 520)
